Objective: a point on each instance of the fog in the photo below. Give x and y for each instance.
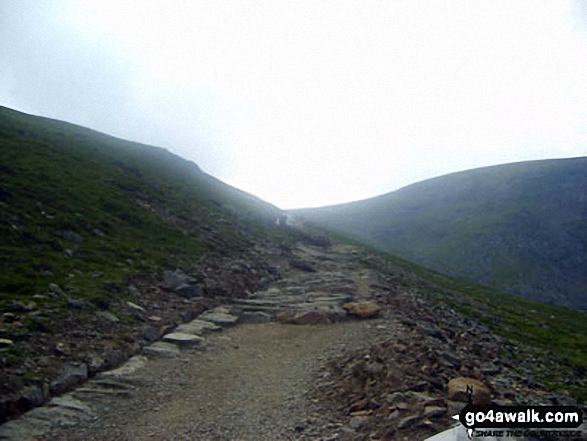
(309, 103)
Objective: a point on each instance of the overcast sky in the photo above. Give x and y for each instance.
(309, 103)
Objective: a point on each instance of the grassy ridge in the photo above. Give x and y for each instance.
(75, 203)
(517, 227)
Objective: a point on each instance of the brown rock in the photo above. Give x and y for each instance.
(457, 391)
(359, 405)
(363, 310)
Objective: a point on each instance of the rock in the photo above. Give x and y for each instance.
(189, 291)
(149, 333)
(135, 307)
(95, 364)
(302, 266)
(34, 396)
(454, 407)
(75, 303)
(358, 422)
(457, 391)
(132, 365)
(359, 405)
(255, 317)
(409, 422)
(198, 327)
(69, 376)
(108, 316)
(133, 291)
(55, 289)
(69, 402)
(220, 319)
(9, 317)
(434, 411)
(61, 349)
(183, 339)
(363, 310)
(5, 343)
(162, 349)
(432, 332)
(396, 397)
(490, 369)
(174, 279)
(363, 404)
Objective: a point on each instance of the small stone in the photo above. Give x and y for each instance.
(68, 402)
(198, 327)
(75, 303)
(396, 397)
(55, 289)
(149, 333)
(135, 307)
(183, 339)
(220, 319)
(108, 316)
(61, 349)
(5, 343)
(434, 411)
(409, 422)
(357, 422)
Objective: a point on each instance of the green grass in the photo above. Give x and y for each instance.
(74, 202)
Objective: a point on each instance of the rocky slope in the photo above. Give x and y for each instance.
(335, 348)
(517, 227)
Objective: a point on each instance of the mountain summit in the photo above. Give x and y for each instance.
(518, 227)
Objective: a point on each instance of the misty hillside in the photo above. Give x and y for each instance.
(518, 227)
(75, 199)
(109, 246)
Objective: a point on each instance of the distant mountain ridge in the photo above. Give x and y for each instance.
(519, 227)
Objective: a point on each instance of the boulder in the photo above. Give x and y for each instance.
(457, 391)
(162, 349)
(362, 310)
(69, 376)
(189, 291)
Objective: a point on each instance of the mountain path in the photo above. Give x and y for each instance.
(251, 381)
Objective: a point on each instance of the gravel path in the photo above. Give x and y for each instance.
(253, 382)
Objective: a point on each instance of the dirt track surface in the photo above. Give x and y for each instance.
(254, 382)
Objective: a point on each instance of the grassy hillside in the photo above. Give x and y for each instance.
(75, 203)
(517, 227)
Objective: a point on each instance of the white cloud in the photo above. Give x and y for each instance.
(312, 103)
